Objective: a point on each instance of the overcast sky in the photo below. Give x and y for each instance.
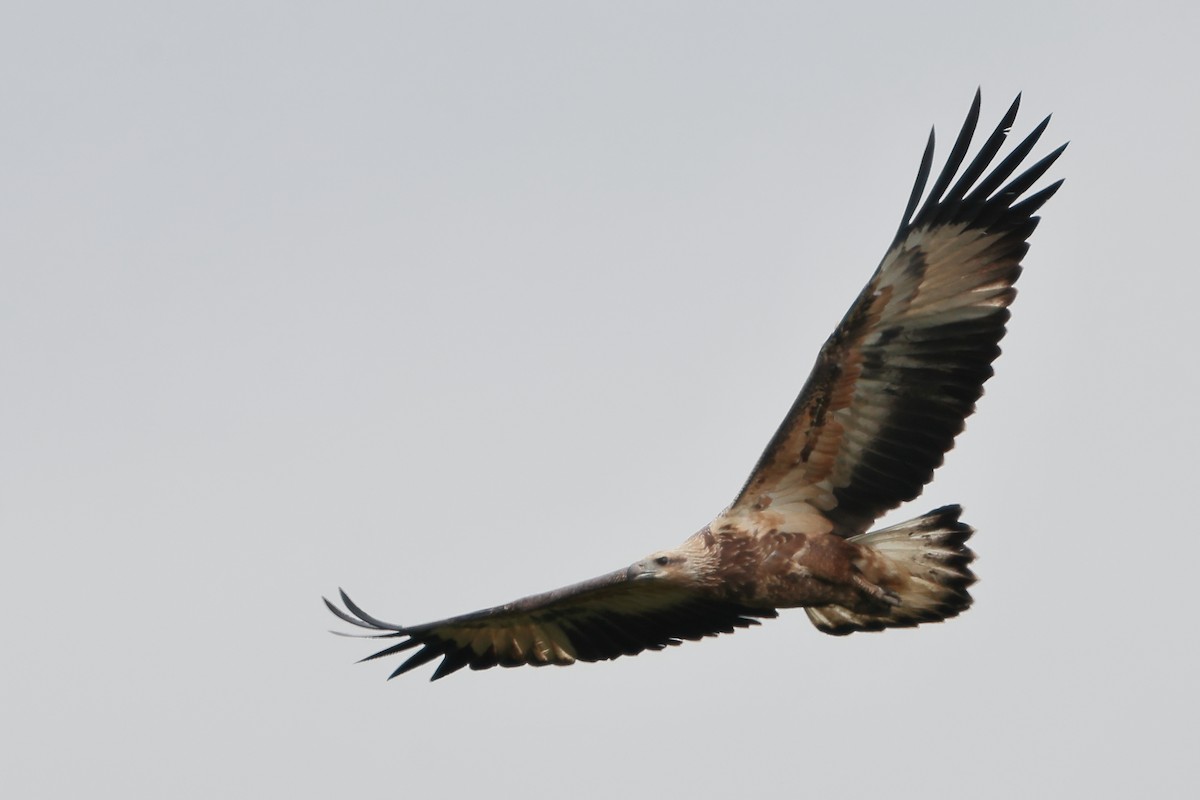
(449, 303)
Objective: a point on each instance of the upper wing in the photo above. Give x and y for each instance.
(894, 383)
(596, 620)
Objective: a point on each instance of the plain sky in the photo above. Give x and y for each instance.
(448, 303)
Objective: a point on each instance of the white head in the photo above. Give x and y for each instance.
(671, 565)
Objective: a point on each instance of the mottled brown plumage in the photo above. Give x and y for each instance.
(889, 392)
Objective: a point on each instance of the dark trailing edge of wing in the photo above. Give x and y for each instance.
(593, 632)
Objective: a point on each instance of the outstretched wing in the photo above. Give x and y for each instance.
(596, 620)
(894, 383)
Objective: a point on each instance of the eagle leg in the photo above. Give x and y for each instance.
(876, 593)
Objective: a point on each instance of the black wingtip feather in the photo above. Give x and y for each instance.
(365, 617)
(918, 189)
(428, 653)
(344, 617)
(986, 153)
(1020, 184)
(976, 196)
(454, 660)
(391, 651)
(1030, 205)
(958, 152)
(1008, 165)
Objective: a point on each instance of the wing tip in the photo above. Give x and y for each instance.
(976, 198)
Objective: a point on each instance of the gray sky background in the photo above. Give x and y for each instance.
(450, 303)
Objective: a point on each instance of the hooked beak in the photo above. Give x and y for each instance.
(640, 571)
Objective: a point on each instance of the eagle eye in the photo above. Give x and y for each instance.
(662, 561)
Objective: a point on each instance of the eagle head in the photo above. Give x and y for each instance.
(678, 565)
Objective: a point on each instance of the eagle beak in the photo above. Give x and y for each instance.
(638, 571)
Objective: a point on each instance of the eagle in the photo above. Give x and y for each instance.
(890, 390)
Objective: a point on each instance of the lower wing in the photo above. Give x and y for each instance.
(596, 620)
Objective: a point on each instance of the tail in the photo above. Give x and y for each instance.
(924, 563)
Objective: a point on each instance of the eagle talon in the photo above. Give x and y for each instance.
(877, 592)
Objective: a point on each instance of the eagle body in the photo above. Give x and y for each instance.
(889, 392)
(773, 569)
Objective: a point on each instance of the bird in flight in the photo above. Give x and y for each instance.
(891, 388)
